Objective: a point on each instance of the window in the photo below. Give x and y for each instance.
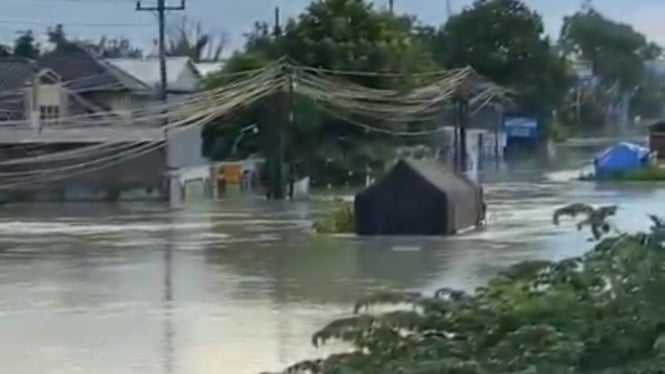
(49, 114)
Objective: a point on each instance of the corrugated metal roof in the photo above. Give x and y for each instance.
(147, 70)
(207, 68)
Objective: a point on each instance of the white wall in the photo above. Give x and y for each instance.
(49, 94)
(185, 148)
(188, 80)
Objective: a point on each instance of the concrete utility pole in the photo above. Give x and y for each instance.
(461, 98)
(161, 10)
(273, 123)
(172, 185)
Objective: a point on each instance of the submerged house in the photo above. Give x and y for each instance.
(418, 197)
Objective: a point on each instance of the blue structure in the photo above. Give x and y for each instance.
(523, 132)
(518, 127)
(621, 157)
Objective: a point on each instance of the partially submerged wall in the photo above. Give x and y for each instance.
(137, 178)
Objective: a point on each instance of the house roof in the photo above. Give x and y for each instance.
(14, 72)
(439, 176)
(147, 71)
(83, 71)
(207, 68)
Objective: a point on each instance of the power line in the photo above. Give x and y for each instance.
(79, 24)
(78, 1)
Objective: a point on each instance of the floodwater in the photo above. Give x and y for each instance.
(239, 287)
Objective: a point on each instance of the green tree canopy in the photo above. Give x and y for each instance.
(616, 51)
(504, 40)
(348, 35)
(25, 45)
(5, 51)
(601, 313)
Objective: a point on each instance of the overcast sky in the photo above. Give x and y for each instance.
(93, 18)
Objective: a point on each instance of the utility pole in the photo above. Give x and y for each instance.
(172, 185)
(273, 123)
(391, 6)
(461, 98)
(161, 10)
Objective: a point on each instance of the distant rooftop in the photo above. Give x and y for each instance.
(207, 68)
(147, 71)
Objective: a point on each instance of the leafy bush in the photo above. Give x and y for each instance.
(602, 312)
(340, 220)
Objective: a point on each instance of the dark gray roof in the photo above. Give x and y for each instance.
(83, 71)
(465, 197)
(15, 72)
(440, 176)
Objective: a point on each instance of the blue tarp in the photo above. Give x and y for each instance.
(621, 157)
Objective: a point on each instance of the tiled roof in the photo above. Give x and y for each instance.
(15, 72)
(85, 72)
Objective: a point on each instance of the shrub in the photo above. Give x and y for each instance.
(340, 220)
(602, 312)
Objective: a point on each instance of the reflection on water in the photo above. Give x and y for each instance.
(239, 287)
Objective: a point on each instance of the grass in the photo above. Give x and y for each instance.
(648, 174)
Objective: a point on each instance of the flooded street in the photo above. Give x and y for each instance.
(239, 287)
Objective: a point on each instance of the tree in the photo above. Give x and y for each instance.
(188, 39)
(347, 35)
(504, 41)
(57, 36)
(25, 46)
(618, 55)
(5, 51)
(598, 313)
(115, 48)
(617, 52)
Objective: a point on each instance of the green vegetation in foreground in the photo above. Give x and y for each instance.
(603, 312)
(339, 220)
(647, 174)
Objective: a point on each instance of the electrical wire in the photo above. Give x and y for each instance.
(137, 153)
(178, 126)
(338, 98)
